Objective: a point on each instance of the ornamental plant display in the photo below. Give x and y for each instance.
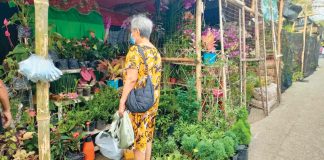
(231, 40)
(210, 37)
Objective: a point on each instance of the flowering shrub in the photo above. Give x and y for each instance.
(231, 41)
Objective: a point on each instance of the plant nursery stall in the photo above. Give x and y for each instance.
(214, 55)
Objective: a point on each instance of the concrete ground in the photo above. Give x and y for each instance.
(295, 129)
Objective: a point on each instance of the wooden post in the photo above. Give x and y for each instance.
(265, 66)
(244, 56)
(41, 48)
(304, 43)
(241, 50)
(221, 28)
(257, 50)
(280, 22)
(274, 48)
(199, 12)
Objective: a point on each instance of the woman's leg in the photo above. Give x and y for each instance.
(139, 155)
(148, 151)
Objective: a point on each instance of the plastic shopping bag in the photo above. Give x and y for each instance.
(122, 129)
(126, 132)
(108, 146)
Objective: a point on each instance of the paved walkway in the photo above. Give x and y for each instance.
(295, 129)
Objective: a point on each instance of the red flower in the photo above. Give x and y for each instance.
(5, 22)
(31, 113)
(7, 33)
(76, 135)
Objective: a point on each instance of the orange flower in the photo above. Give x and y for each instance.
(188, 16)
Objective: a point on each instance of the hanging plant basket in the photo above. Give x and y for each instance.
(23, 32)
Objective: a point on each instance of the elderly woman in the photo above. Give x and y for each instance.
(134, 76)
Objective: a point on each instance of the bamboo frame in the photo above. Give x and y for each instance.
(274, 44)
(221, 28)
(42, 93)
(280, 23)
(258, 54)
(244, 64)
(199, 11)
(265, 67)
(304, 44)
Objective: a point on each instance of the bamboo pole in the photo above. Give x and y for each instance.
(244, 57)
(280, 23)
(257, 49)
(199, 11)
(221, 28)
(304, 43)
(241, 49)
(41, 48)
(274, 47)
(265, 66)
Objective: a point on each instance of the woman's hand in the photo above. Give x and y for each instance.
(121, 109)
(7, 119)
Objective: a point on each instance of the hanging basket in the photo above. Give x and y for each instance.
(23, 32)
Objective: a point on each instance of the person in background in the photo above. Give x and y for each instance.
(4, 100)
(134, 77)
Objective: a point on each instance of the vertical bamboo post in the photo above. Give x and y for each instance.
(265, 66)
(241, 50)
(280, 22)
(257, 50)
(199, 11)
(274, 45)
(41, 48)
(244, 56)
(304, 43)
(221, 28)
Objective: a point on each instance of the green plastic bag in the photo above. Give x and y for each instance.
(122, 129)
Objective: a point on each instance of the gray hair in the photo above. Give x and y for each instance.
(143, 24)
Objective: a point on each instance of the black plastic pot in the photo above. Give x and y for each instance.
(92, 126)
(73, 64)
(242, 152)
(75, 156)
(100, 124)
(80, 91)
(86, 92)
(62, 64)
(82, 64)
(53, 55)
(93, 64)
(23, 32)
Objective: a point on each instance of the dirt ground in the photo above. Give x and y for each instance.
(295, 129)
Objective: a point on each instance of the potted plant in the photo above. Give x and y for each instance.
(23, 18)
(113, 71)
(209, 39)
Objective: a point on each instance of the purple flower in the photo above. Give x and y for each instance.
(188, 3)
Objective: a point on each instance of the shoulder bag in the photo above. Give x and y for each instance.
(141, 100)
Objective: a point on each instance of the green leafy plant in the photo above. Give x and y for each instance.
(189, 143)
(23, 16)
(104, 104)
(297, 76)
(229, 146)
(242, 130)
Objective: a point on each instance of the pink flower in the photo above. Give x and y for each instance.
(31, 113)
(188, 3)
(76, 135)
(7, 33)
(107, 22)
(72, 95)
(5, 22)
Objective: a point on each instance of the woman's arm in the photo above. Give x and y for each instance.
(129, 84)
(4, 99)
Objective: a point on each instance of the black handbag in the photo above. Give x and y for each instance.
(141, 99)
